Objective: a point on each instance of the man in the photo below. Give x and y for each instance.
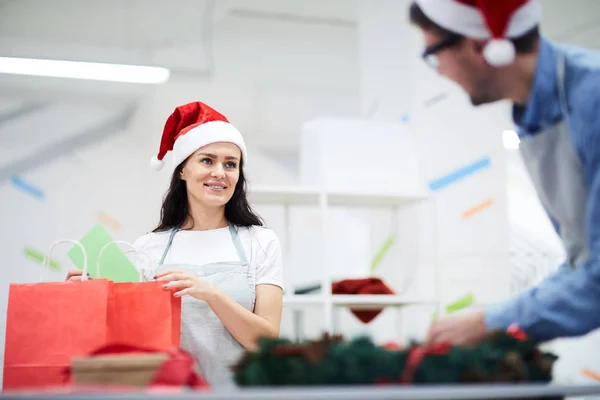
(493, 50)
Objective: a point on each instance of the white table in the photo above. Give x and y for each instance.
(437, 392)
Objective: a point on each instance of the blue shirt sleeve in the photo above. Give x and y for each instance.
(567, 303)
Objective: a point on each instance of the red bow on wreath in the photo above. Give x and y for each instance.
(418, 353)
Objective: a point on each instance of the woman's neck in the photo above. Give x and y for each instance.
(204, 219)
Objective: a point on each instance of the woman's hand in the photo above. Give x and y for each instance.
(188, 283)
(75, 275)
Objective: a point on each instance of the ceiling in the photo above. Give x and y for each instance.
(175, 34)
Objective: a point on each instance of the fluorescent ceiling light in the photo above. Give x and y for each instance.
(84, 70)
(510, 139)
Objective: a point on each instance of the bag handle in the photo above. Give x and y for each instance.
(46, 263)
(132, 250)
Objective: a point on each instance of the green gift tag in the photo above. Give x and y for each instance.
(114, 264)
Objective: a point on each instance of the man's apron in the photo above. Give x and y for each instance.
(557, 174)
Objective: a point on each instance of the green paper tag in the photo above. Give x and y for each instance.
(114, 264)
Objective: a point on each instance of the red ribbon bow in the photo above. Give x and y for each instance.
(416, 356)
(517, 332)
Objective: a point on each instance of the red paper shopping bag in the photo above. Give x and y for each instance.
(144, 314)
(47, 324)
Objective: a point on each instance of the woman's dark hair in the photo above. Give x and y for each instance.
(175, 208)
(526, 43)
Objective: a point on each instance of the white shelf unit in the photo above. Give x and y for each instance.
(307, 196)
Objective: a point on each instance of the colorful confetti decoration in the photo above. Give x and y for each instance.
(591, 374)
(457, 305)
(459, 174)
(37, 256)
(385, 247)
(109, 221)
(478, 208)
(462, 303)
(435, 99)
(373, 107)
(27, 188)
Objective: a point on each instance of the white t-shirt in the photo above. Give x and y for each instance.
(262, 247)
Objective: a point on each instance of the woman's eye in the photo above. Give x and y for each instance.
(206, 160)
(231, 165)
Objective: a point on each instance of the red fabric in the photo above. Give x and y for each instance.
(362, 287)
(183, 119)
(49, 323)
(497, 14)
(177, 370)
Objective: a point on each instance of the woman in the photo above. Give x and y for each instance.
(211, 246)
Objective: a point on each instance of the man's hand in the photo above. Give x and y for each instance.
(461, 329)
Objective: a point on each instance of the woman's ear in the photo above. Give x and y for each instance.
(181, 175)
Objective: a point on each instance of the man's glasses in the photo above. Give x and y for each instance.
(430, 54)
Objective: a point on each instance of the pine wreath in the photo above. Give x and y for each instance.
(501, 358)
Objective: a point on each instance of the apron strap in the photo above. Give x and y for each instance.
(562, 93)
(164, 255)
(238, 244)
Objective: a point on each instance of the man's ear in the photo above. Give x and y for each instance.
(474, 49)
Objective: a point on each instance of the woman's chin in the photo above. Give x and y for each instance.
(215, 200)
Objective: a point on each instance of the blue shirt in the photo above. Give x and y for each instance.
(567, 303)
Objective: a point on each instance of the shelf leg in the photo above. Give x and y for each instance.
(287, 248)
(335, 320)
(326, 278)
(298, 326)
(437, 262)
(399, 314)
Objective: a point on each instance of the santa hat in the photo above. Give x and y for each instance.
(494, 20)
(192, 126)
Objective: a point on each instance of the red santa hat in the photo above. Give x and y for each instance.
(192, 126)
(493, 20)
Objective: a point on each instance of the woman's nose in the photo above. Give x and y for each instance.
(218, 171)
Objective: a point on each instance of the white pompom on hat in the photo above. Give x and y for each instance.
(496, 21)
(192, 126)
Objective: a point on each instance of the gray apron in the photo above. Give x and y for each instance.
(202, 332)
(557, 174)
